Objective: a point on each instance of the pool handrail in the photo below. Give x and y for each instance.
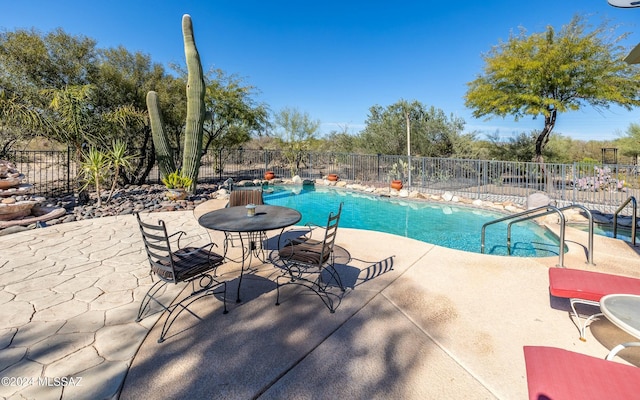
(532, 213)
(590, 237)
(634, 218)
(550, 210)
(590, 234)
(495, 221)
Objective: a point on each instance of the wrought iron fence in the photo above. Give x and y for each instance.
(602, 187)
(50, 172)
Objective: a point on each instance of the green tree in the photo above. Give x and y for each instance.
(121, 83)
(462, 145)
(433, 134)
(51, 60)
(63, 88)
(338, 141)
(520, 147)
(31, 62)
(630, 143)
(563, 149)
(16, 117)
(481, 149)
(234, 115)
(553, 72)
(72, 119)
(295, 132)
(105, 88)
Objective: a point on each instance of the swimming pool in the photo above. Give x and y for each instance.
(455, 227)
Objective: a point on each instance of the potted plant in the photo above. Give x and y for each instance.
(397, 174)
(177, 185)
(396, 184)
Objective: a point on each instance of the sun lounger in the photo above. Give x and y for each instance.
(557, 374)
(588, 287)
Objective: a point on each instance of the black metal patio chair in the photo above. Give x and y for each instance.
(242, 198)
(310, 262)
(188, 264)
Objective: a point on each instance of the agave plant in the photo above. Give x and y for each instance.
(176, 180)
(119, 160)
(94, 165)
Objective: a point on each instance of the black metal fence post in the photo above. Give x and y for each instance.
(266, 161)
(220, 164)
(68, 169)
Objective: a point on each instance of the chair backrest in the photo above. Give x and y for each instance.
(330, 233)
(242, 197)
(158, 248)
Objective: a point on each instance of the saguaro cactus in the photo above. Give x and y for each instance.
(160, 140)
(195, 114)
(195, 105)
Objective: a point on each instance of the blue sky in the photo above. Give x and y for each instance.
(336, 59)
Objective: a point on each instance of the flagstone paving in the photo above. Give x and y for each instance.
(69, 297)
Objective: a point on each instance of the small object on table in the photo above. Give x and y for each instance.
(251, 210)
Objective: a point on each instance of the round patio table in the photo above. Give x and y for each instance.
(623, 310)
(236, 220)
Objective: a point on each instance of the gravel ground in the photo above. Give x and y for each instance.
(127, 200)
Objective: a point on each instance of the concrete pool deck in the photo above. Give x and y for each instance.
(417, 320)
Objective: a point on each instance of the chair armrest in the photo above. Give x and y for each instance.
(306, 236)
(179, 234)
(313, 226)
(208, 247)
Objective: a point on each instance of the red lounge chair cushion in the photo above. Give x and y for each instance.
(559, 374)
(587, 285)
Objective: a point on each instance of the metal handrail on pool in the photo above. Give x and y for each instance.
(550, 210)
(590, 234)
(634, 217)
(528, 214)
(590, 238)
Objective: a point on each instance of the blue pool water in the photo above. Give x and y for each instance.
(624, 233)
(448, 226)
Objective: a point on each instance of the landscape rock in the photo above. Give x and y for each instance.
(536, 200)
